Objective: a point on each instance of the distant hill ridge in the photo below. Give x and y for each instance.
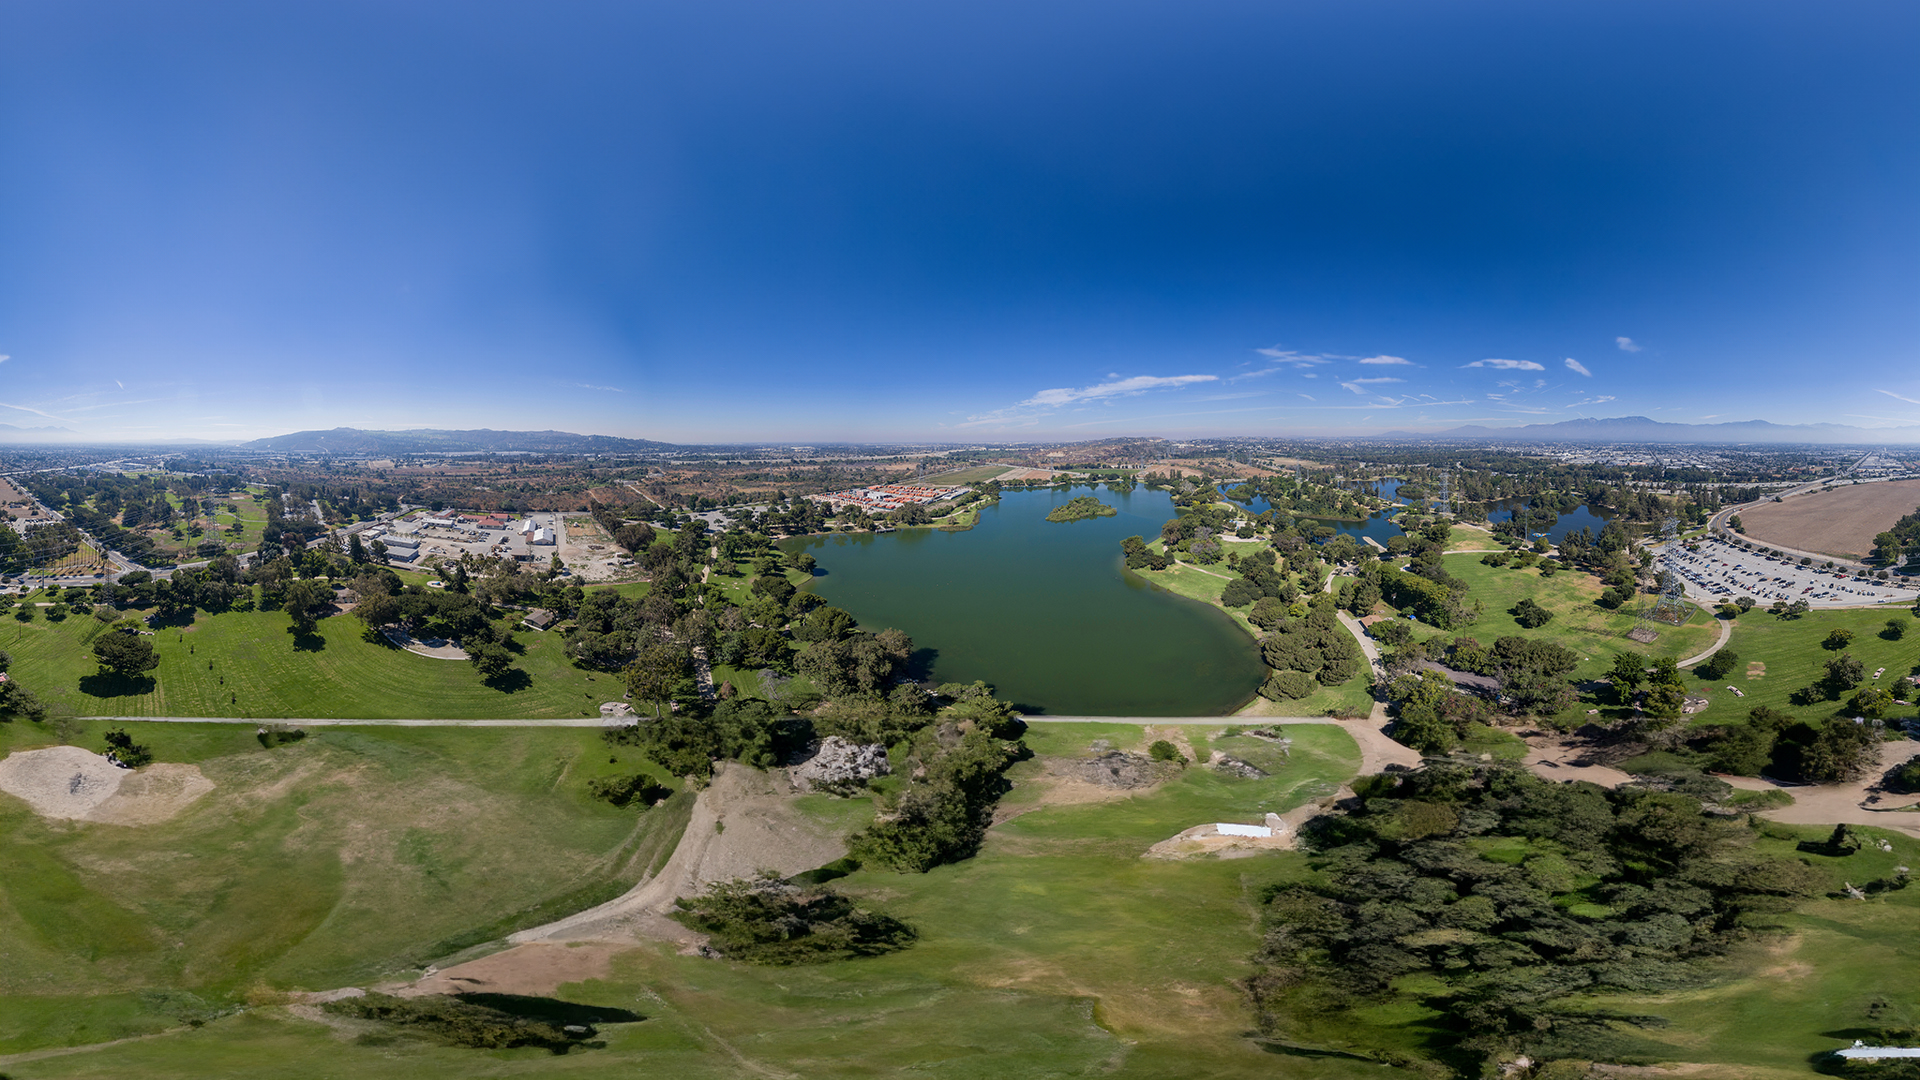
(1644, 429)
(433, 440)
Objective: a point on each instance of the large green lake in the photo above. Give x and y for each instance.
(1045, 611)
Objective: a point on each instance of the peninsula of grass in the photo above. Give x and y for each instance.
(247, 664)
(1205, 584)
(1081, 508)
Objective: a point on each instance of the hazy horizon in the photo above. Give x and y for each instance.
(861, 222)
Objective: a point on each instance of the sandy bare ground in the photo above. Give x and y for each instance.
(1837, 521)
(743, 823)
(1837, 804)
(536, 970)
(66, 783)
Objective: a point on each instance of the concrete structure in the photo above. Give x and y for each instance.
(1860, 1051)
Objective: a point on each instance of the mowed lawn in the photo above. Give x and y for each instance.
(1779, 656)
(1595, 633)
(351, 856)
(247, 664)
(1057, 951)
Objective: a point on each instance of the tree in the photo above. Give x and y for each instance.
(1896, 629)
(1719, 665)
(1629, 671)
(1530, 614)
(1842, 751)
(489, 659)
(122, 748)
(1162, 750)
(656, 673)
(304, 601)
(1844, 672)
(1837, 640)
(125, 654)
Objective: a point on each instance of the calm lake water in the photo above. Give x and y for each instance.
(1580, 517)
(1045, 611)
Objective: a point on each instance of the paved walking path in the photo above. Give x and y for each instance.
(1726, 634)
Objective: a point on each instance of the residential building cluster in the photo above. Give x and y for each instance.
(885, 498)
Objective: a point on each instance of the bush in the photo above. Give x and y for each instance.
(1530, 614)
(766, 920)
(627, 790)
(122, 748)
(1288, 686)
(1162, 750)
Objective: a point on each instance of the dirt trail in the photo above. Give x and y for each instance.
(744, 822)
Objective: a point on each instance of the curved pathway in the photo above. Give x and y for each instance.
(1726, 635)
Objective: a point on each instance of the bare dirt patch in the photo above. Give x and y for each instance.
(1836, 521)
(535, 970)
(66, 783)
(1756, 669)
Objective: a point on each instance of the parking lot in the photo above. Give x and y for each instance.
(1718, 572)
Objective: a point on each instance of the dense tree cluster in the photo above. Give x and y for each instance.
(1507, 896)
(767, 920)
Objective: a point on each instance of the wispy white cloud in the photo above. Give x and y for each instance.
(1353, 387)
(1578, 368)
(590, 386)
(34, 411)
(4, 358)
(1309, 397)
(1506, 365)
(1394, 360)
(1138, 384)
(1292, 356)
(1627, 344)
(1379, 379)
(1026, 412)
(1897, 397)
(1602, 400)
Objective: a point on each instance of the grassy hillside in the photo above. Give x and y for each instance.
(352, 855)
(248, 664)
(1057, 951)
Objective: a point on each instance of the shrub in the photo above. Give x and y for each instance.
(627, 790)
(1530, 614)
(1162, 750)
(1288, 686)
(766, 920)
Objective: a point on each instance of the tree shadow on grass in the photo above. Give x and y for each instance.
(552, 1010)
(114, 684)
(307, 642)
(510, 681)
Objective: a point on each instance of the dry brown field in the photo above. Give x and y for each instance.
(1838, 521)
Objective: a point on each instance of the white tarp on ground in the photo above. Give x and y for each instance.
(1226, 829)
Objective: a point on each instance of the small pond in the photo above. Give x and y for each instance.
(1580, 517)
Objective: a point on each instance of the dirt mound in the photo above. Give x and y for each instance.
(535, 970)
(840, 766)
(66, 783)
(1114, 769)
(743, 823)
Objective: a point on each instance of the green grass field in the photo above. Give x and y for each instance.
(1578, 623)
(248, 664)
(353, 855)
(1057, 951)
(1788, 655)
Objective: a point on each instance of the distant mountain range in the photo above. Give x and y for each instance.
(11, 433)
(1643, 429)
(433, 441)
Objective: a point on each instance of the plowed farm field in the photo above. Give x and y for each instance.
(1838, 521)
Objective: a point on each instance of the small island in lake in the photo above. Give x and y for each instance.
(1080, 508)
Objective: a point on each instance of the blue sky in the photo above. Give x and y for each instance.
(984, 221)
